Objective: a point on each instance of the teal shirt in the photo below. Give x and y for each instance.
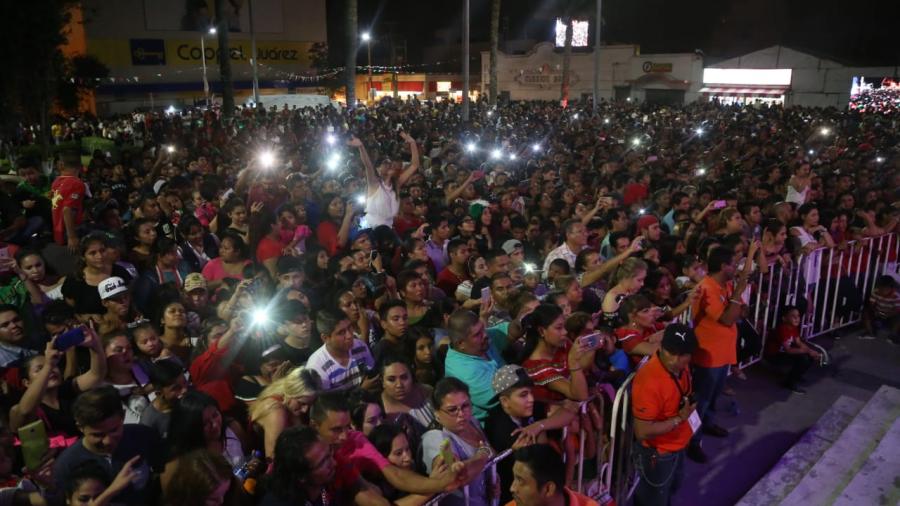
(477, 373)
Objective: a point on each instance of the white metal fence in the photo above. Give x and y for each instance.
(830, 285)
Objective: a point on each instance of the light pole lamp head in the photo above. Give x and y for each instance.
(212, 30)
(366, 36)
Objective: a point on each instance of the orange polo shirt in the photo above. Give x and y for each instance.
(717, 342)
(655, 398)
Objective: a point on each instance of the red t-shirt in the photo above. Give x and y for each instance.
(630, 337)
(634, 192)
(268, 248)
(785, 336)
(327, 235)
(66, 191)
(448, 281)
(543, 372)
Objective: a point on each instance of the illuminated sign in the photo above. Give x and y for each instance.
(579, 33)
(760, 77)
(649, 67)
(443, 86)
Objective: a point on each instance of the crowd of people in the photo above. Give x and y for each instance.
(370, 306)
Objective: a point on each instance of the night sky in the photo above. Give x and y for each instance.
(862, 32)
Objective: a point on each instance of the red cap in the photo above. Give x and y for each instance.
(646, 220)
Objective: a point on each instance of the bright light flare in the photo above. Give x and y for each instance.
(535, 147)
(496, 154)
(333, 161)
(330, 139)
(267, 159)
(471, 147)
(259, 317)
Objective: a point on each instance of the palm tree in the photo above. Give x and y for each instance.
(567, 61)
(570, 8)
(495, 38)
(224, 61)
(351, 20)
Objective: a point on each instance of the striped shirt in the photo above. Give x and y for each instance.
(885, 307)
(337, 377)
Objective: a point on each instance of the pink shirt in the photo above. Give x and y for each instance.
(214, 271)
(360, 454)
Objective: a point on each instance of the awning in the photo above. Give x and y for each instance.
(754, 91)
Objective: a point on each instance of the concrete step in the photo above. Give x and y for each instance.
(835, 469)
(794, 464)
(878, 480)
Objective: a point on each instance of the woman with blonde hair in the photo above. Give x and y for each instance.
(284, 403)
(629, 279)
(202, 477)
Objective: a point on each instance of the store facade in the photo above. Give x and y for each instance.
(783, 75)
(672, 78)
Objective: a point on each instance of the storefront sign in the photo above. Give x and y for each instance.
(142, 52)
(148, 51)
(649, 67)
(545, 76)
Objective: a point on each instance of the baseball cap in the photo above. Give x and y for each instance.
(511, 245)
(194, 281)
(110, 287)
(646, 220)
(679, 339)
(509, 377)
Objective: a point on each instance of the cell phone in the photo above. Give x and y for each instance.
(69, 338)
(591, 340)
(447, 452)
(478, 174)
(373, 255)
(485, 294)
(719, 204)
(34, 443)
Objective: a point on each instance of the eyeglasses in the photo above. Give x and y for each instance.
(455, 411)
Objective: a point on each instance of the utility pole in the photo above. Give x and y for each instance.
(597, 57)
(465, 62)
(254, 55)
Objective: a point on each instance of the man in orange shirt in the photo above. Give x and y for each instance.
(539, 477)
(664, 416)
(716, 311)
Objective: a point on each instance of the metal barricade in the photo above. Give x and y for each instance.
(618, 472)
(491, 466)
(832, 283)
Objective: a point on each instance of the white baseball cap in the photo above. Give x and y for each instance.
(110, 287)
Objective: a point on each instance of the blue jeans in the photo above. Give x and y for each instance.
(708, 384)
(660, 475)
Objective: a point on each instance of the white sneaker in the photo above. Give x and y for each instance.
(866, 337)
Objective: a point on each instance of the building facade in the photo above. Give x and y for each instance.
(625, 73)
(156, 49)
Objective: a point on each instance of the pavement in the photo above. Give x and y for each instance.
(769, 419)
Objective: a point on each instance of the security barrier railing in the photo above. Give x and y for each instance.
(831, 285)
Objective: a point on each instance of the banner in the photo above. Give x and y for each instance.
(186, 52)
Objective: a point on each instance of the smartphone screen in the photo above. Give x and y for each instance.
(485, 294)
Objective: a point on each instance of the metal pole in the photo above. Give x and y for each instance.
(597, 56)
(203, 59)
(371, 91)
(465, 62)
(253, 55)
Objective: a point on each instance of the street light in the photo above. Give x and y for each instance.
(211, 31)
(367, 38)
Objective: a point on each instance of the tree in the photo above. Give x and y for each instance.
(82, 74)
(570, 9)
(225, 61)
(495, 39)
(567, 62)
(351, 20)
(31, 34)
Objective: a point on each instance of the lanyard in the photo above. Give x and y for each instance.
(682, 394)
